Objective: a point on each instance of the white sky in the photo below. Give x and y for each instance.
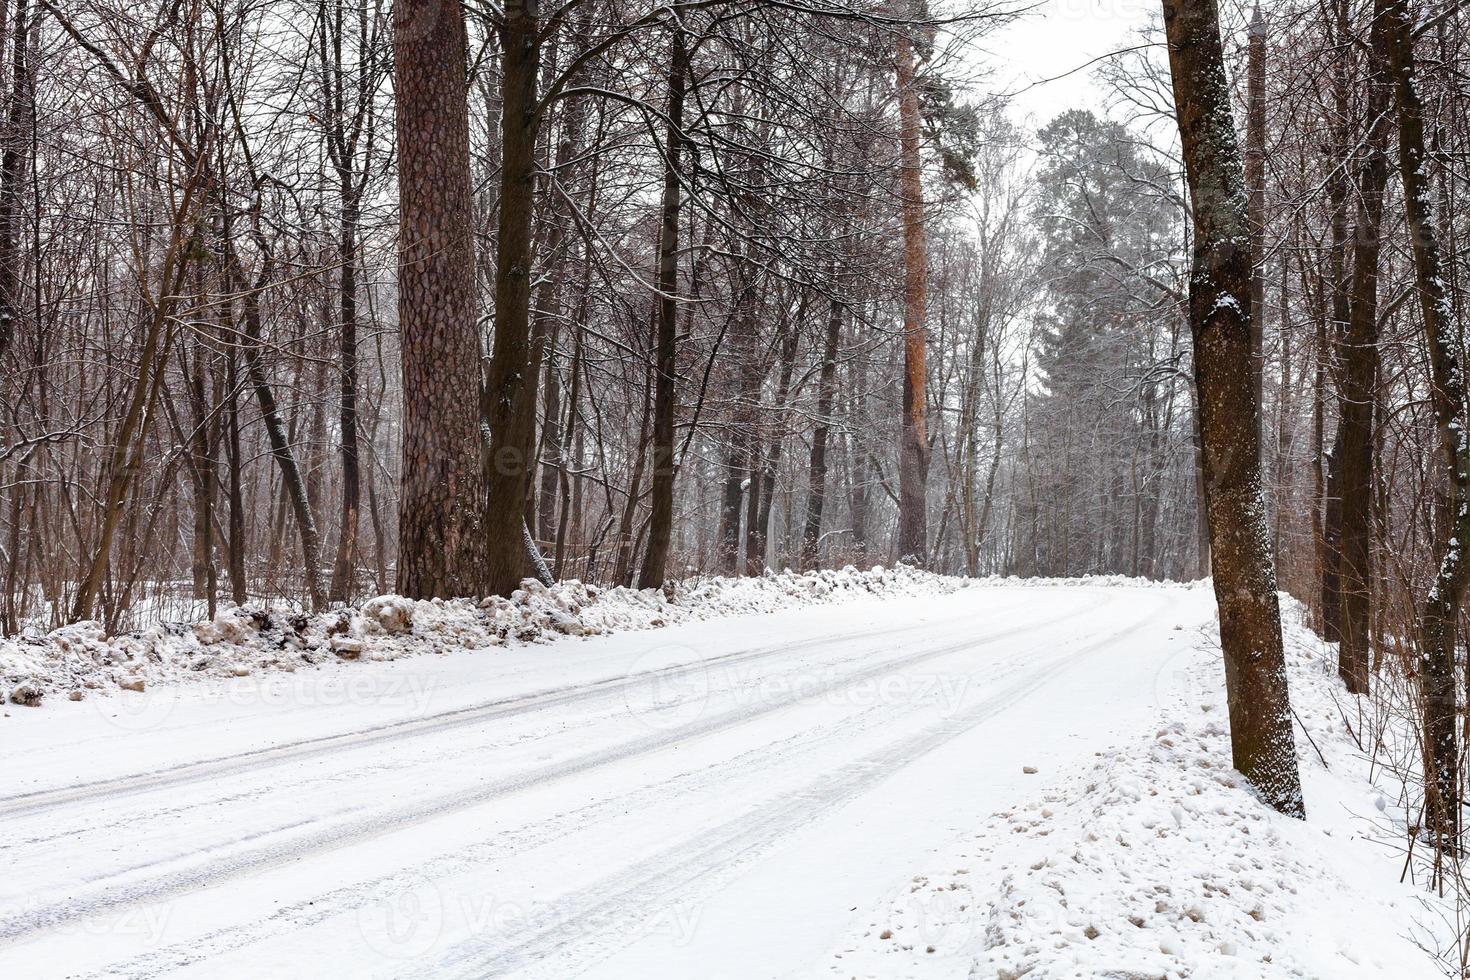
(1057, 37)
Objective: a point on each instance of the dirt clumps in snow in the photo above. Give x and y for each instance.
(28, 695)
(242, 640)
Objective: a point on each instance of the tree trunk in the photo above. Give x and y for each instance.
(343, 568)
(553, 469)
(293, 485)
(1337, 193)
(623, 567)
(728, 535)
(1359, 382)
(508, 401)
(755, 484)
(12, 167)
(661, 518)
(811, 538)
(1332, 540)
(1245, 579)
(743, 445)
(913, 467)
(572, 427)
(237, 488)
(1255, 182)
(441, 540)
(203, 464)
(1447, 396)
(770, 457)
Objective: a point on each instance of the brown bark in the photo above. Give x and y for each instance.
(13, 161)
(1359, 383)
(441, 540)
(661, 517)
(811, 538)
(1255, 182)
(1241, 564)
(344, 566)
(508, 402)
(237, 488)
(1337, 193)
(913, 467)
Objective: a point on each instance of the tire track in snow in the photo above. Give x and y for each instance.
(749, 766)
(39, 801)
(687, 869)
(344, 828)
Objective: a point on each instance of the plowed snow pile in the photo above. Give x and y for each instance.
(245, 639)
(1157, 860)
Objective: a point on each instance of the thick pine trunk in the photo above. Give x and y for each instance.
(441, 540)
(913, 467)
(1220, 282)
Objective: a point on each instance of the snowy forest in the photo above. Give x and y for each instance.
(305, 303)
(762, 288)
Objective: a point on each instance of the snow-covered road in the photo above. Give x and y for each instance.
(717, 799)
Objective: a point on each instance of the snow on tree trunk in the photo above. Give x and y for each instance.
(1447, 397)
(1241, 561)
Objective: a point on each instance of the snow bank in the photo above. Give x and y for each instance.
(1110, 581)
(1158, 860)
(242, 640)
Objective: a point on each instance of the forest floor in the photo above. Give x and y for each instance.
(991, 781)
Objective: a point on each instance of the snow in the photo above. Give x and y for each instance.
(241, 640)
(1008, 774)
(1156, 859)
(1225, 301)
